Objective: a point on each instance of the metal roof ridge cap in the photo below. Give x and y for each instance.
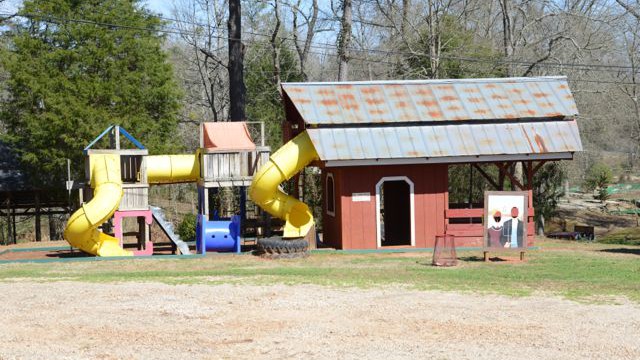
(429, 81)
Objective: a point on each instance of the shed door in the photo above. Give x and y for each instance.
(395, 213)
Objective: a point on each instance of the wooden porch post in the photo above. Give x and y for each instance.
(9, 233)
(37, 208)
(13, 225)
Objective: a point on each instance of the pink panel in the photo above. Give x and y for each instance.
(119, 215)
(148, 250)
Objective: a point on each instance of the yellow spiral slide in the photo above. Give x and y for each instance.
(283, 164)
(82, 228)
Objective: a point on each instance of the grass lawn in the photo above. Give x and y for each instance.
(578, 271)
(627, 236)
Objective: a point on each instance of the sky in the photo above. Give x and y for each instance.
(159, 6)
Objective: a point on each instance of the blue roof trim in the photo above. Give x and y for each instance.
(132, 139)
(98, 138)
(124, 132)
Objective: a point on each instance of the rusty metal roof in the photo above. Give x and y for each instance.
(378, 102)
(432, 141)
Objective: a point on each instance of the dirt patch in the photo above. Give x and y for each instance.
(30, 251)
(40, 255)
(34, 245)
(149, 320)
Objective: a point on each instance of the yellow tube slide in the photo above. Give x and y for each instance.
(165, 169)
(82, 228)
(283, 164)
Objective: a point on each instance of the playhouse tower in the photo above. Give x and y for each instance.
(135, 187)
(228, 158)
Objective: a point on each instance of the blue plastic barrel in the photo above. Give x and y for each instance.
(218, 235)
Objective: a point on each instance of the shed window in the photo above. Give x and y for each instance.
(331, 195)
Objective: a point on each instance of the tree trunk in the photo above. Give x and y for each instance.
(344, 41)
(540, 224)
(275, 47)
(303, 52)
(518, 172)
(55, 228)
(507, 34)
(405, 19)
(434, 41)
(237, 90)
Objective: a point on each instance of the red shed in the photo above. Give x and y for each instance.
(385, 149)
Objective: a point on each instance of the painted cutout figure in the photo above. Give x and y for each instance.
(512, 231)
(495, 231)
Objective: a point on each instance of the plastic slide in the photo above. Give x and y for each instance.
(82, 228)
(283, 164)
(171, 169)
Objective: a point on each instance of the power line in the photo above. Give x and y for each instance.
(328, 46)
(331, 47)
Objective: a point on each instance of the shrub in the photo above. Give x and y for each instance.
(598, 178)
(187, 228)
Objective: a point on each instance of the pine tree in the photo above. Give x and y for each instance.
(76, 67)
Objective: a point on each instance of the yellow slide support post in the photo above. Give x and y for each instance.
(283, 164)
(82, 228)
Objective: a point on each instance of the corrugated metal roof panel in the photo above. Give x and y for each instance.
(398, 142)
(431, 100)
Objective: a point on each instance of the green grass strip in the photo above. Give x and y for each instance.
(99, 258)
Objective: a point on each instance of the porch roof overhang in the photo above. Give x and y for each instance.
(454, 143)
(452, 160)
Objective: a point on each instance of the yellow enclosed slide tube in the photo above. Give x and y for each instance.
(283, 164)
(82, 228)
(166, 169)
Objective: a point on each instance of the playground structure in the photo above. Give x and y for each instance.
(384, 149)
(119, 181)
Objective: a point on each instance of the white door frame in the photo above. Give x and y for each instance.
(411, 207)
(333, 183)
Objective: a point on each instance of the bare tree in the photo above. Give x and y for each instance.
(629, 84)
(275, 46)
(630, 9)
(507, 32)
(310, 20)
(201, 60)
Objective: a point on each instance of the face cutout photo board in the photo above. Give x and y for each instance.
(505, 220)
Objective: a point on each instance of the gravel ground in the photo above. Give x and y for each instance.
(151, 320)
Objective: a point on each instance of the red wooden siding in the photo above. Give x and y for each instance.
(354, 226)
(354, 223)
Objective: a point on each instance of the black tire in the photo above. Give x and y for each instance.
(282, 248)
